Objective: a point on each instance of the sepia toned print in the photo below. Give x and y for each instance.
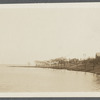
(45, 48)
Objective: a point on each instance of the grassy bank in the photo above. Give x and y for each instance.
(88, 68)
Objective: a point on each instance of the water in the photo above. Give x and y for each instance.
(15, 79)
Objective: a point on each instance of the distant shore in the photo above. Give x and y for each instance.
(89, 68)
(83, 68)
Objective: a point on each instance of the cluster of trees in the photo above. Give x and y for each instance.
(91, 61)
(53, 62)
(64, 62)
(58, 62)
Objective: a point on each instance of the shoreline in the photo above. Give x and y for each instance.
(81, 68)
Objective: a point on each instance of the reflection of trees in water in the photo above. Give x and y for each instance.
(97, 81)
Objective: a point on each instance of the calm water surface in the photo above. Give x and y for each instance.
(46, 80)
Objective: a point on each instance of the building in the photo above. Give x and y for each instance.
(98, 55)
(98, 58)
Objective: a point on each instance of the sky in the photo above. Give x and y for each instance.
(29, 34)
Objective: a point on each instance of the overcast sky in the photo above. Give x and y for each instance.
(28, 34)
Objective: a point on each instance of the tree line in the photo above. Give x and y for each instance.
(64, 62)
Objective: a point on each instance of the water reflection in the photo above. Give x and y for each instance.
(97, 82)
(47, 80)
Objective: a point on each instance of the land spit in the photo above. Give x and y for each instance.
(83, 68)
